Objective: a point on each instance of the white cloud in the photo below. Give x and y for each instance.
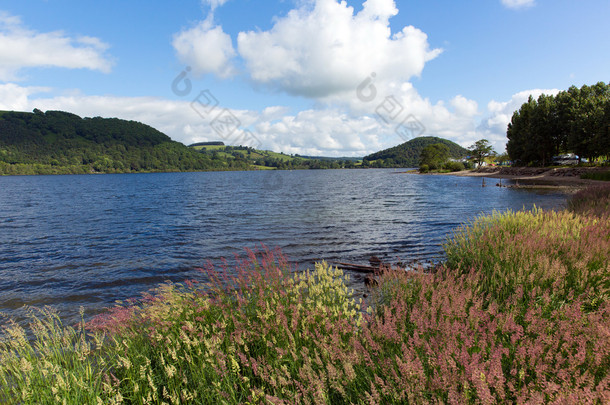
(206, 48)
(321, 132)
(214, 4)
(463, 106)
(21, 48)
(517, 4)
(322, 48)
(14, 97)
(311, 132)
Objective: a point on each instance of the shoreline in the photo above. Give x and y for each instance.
(536, 177)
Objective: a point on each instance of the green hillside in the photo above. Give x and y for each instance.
(270, 159)
(57, 142)
(407, 154)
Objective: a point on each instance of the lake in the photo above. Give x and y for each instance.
(72, 241)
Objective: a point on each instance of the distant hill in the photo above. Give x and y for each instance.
(57, 142)
(344, 158)
(267, 159)
(407, 154)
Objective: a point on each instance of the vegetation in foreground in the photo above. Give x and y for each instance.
(519, 313)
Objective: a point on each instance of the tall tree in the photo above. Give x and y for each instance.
(544, 128)
(586, 135)
(434, 156)
(575, 121)
(519, 133)
(481, 150)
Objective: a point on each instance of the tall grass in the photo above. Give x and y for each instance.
(50, 363)
(518, 314)
(593, 201)
(262, 336)
(603, 176)
(559, 252)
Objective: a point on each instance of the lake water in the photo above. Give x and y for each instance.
(71, 241)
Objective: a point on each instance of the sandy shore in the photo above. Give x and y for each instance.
(536, 177)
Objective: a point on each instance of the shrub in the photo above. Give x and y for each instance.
(454, 166)
(424, 168)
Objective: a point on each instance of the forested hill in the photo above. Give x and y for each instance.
(57, 142)
(407, 154)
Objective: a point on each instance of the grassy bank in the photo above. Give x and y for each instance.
(519, 313)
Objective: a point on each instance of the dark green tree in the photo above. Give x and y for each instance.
(480, 150)
(519, 133)
(575, 121)
(434, 156)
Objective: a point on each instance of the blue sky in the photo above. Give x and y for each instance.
(284, 75)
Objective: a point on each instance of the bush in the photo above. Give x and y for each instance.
(454, 166)
(424, 168)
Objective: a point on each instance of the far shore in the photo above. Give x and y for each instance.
(535, 177)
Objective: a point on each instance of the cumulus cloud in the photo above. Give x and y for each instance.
(465, 107)
(325, 51)
(21, 48)
(206, 48)
(323, 48)
(321, 132)
(517, 4)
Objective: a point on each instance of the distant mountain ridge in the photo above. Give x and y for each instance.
(58, 142)
(408, 153)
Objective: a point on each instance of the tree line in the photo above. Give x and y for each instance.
(573, 121)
